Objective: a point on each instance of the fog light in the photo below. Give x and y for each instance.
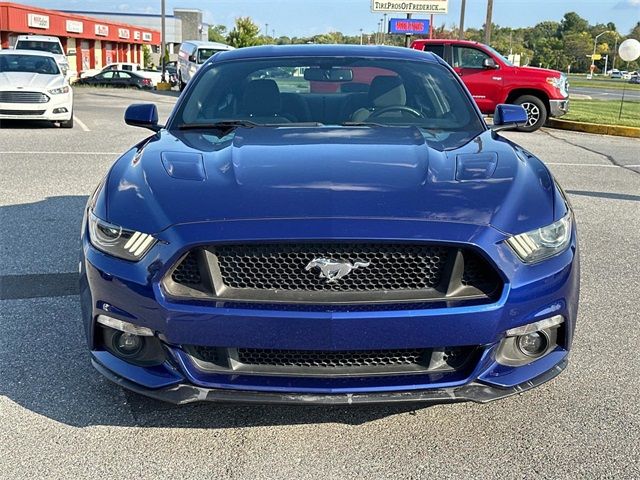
(533, 344)
(60, 110)
(127, 344)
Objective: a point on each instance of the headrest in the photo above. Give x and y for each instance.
(386, 91)
(262, 98)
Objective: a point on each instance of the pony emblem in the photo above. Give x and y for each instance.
(334, 270)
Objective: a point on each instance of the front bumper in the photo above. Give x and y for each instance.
(558, 108)
(131, 292)
(183, 393)
(39, 111)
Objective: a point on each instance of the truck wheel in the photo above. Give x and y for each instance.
(536, 112)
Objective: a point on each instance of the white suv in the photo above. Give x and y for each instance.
(44, 43)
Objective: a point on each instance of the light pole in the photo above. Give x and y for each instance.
(360, 36)
(595, 43)
(162, 41)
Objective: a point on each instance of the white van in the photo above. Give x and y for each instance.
(192, 55)
(43, 43)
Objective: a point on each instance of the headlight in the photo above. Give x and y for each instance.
(544, 242)
(117, 241)
(560, 83)
(59, 91)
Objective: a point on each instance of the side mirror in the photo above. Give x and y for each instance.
(489, 63)
(192, 58)
(509, 116)
(142, 115)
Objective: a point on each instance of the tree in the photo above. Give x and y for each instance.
(573, 23)
(146, 56)
(244, 34)
(218, 33)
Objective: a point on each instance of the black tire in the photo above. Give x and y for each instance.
(536, 112)
(67, 123)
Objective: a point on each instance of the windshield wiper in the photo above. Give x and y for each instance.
(363, 124)
(223, 125)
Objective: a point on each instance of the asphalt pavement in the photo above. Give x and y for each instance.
(60, 419)
(597, 93)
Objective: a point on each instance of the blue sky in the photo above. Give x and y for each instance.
(309, 17)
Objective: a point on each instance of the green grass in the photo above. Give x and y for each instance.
(575, 81)
(604, 112)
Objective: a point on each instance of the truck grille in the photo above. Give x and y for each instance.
(298, 273)
(330, 362)
(23, 97)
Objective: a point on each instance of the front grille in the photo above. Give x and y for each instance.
(329, 359)
(22, 112)
(333, 273)
(331, 362)
(284, 267)
(23, 97)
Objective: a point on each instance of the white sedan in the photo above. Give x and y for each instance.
(32, 87)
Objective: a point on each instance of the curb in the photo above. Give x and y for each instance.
(633, 132)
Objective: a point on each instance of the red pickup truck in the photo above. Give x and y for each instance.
(492, 79)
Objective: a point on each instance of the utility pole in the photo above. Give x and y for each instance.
(360, 36)
(487, 25)
(266, 29)
(384, 29)
(615, 50)
(461, 31)
(163, 44)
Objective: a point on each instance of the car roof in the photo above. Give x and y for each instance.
(45, 38)
(200, 43)
(425, 41)
(368, 51)
(22, 51)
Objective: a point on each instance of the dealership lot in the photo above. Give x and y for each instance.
(60, 419)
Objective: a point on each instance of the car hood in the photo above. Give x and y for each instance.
(22, 80)
(324, 172)
(541, 72)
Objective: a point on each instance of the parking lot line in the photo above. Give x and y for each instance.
(585, 165)
(17, 152)
(81, 123)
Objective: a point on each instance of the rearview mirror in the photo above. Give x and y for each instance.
(328, 74)
(142, 115)
(509, 116)
(489, 63)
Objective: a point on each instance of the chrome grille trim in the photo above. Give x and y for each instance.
(23, 97)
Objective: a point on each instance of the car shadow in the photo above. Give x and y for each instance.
(26, 124)
(44, 362)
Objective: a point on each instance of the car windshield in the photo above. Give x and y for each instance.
(321, 91)
(50, 47)
(498, 54)
(28, 64)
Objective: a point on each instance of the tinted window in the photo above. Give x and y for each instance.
(437, 49)
(29, 64)
(107, 75)
(127, 67)
(466, 57)
(381, 91)
(50, 47)
(205, 53)
(124, 75)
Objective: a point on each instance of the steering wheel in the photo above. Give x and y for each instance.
(396, 108)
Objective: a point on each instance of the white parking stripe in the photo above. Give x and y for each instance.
(81, 123)
(585, 165)
(31, 152)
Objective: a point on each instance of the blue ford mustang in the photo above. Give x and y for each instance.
(328, 224)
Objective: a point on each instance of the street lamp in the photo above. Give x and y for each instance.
(595, 43)
(361, 36)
